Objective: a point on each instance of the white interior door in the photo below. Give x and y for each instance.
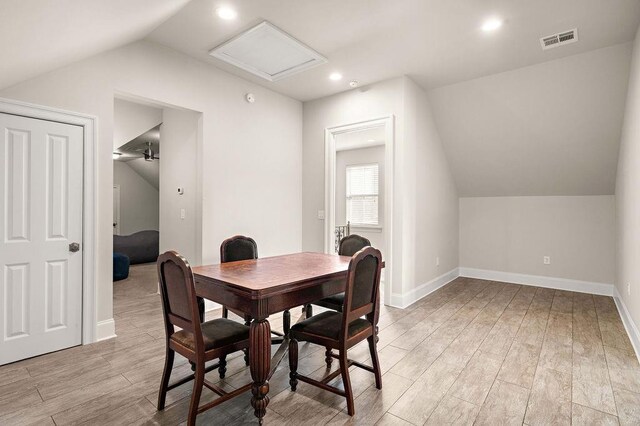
(41, 167)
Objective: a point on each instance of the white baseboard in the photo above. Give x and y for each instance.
(105, 330)
(629, 325)
(411, 297)
(603, 289)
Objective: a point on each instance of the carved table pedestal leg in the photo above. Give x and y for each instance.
(260, 365)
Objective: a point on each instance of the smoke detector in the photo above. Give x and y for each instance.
(559, 39)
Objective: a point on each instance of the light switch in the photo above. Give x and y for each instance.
(183, 214)
(321, 214)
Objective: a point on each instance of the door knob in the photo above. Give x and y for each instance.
(74, 247)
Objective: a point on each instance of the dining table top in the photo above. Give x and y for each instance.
(273, 275)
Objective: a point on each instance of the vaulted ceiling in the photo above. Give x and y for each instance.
(514, 119)
(435, 42)
(37, 36)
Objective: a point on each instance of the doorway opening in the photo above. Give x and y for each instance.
(136, 184)
(157, 192)
(359, 188)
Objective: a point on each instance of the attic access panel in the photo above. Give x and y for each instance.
(268, 52)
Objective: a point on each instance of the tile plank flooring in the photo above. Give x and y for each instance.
(473, 352)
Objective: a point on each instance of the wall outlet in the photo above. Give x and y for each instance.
(546, 260)
(321, 214)
(183, 214)
(437, 260)
(629, 289)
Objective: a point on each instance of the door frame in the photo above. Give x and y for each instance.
(89, 199)
(330, 134)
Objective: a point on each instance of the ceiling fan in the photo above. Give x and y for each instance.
(149, 153)
(146, 145)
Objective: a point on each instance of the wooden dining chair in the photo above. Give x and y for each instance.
(235, 249)
(341, 331)
(348, 246)
(238, 248)
(196, 341)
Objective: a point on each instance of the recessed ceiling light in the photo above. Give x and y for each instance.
(371, 140)
(491, 24)
(335, 76)
(226, 13)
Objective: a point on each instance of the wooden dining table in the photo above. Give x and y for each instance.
(262, 287)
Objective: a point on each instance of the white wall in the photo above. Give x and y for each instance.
(628, 195)
(249, 157)
(361, 156)
(179, 152)
(375, 101)
(513, 234)
(418, 207)
(435, 204)
(138, 200)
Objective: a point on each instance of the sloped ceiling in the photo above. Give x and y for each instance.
(131, 119)
(548, 129)
(435, 42)
(148, 170)
(515, 120)
(37, 36)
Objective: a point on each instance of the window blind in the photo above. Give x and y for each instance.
(362, 194)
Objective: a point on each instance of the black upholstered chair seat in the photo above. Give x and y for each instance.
(216, 333)
(327, 324)
(334, 302)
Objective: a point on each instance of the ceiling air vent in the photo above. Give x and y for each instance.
(268, 52)
(560, 39)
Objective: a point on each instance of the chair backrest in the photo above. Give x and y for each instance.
(237, 248)
(362, 294)
(178, 293)
(351, 244)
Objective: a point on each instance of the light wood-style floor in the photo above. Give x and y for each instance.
(474, 351)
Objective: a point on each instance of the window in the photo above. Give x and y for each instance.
(362, 194)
